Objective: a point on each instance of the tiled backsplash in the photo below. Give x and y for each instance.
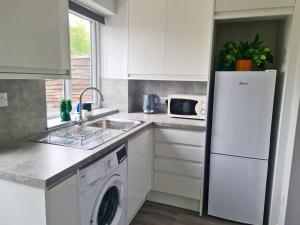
(138, 88)
(115, 93)
(26, 112)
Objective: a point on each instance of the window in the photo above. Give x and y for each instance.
(84, 68)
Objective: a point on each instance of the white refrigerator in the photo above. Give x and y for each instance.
(240, 144)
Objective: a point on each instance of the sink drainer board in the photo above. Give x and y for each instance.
(77, 132)
(88, 136)
(80, 137)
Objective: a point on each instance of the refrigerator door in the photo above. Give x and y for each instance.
(242, 113)
(237, 188)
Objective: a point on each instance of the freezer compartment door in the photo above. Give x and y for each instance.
(237, 188)
(242, 113)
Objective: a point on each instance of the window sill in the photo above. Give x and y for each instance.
(94, 114)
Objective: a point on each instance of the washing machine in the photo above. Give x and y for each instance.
(103, 190)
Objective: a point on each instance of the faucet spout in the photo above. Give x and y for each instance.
(80, 100)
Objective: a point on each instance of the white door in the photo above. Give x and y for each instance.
(242, 113)
(34, 37)
(237, 188)
(188, 37)
(140, 150)
(147, 26)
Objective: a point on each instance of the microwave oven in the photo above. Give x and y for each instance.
(187, 106)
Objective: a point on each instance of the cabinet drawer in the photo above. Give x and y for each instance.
(178, 167)
(177, 185)
(188, 137)
(183, 152)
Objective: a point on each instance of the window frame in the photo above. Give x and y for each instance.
(95, 65)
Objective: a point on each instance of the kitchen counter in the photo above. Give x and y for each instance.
(163, 120)
(45, 165)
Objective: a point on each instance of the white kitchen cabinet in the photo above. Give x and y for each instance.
(140, 150)
(62, 203)
(34, 39)
(21, 204)
(147, 31)
(233, 5)
(237, 9)
(170, 39)
(114, 42)
(179, 168)
(189, 38)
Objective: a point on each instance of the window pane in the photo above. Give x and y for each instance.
(80, 38)
(54, 93)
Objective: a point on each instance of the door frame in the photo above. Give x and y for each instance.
(287, 127)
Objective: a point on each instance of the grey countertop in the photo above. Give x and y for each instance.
(44, 165)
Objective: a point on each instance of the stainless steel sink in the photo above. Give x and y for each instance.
(115, 124)
(89, 135)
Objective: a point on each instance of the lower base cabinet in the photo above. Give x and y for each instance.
(37, 206)
(140, 149)
(178, 168)
(166, 165)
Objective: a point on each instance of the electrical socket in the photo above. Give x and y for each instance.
(3, 100)
(162, 100)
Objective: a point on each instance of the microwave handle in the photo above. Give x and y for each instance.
(198, 108)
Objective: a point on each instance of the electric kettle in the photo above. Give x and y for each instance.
(150, 102)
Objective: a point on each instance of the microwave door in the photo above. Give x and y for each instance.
(183, 107)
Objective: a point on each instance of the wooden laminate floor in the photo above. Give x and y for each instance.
(158, 214)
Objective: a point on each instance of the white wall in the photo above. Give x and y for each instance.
(287, 128)
(293, 204)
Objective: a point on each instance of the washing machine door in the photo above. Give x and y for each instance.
(110, 203)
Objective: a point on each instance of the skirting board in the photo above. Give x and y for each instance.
(174, 200)
(129, 219)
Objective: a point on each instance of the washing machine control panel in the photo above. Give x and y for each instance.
(122, 155)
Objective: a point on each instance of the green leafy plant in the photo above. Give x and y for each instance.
(255, 51)
(227, 56)
(65, 109)
(244, 50)
(261, 55)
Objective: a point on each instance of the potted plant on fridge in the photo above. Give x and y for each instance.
(245, 56)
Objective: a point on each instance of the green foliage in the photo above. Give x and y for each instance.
(244, 50)
(260, 53)
(255, 51)
(227, 56)
(80, 42)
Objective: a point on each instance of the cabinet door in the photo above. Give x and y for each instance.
(61, 203)
(114, 44)
(34, 37)
(233, 5)
(147, 25)
(140, 150)
(188, 37)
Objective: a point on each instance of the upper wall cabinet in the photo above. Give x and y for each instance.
(34, 39)
(170, 39)
(188, 38)
(226, 9)
(147, 34)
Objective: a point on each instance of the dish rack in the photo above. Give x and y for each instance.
(78, 135)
